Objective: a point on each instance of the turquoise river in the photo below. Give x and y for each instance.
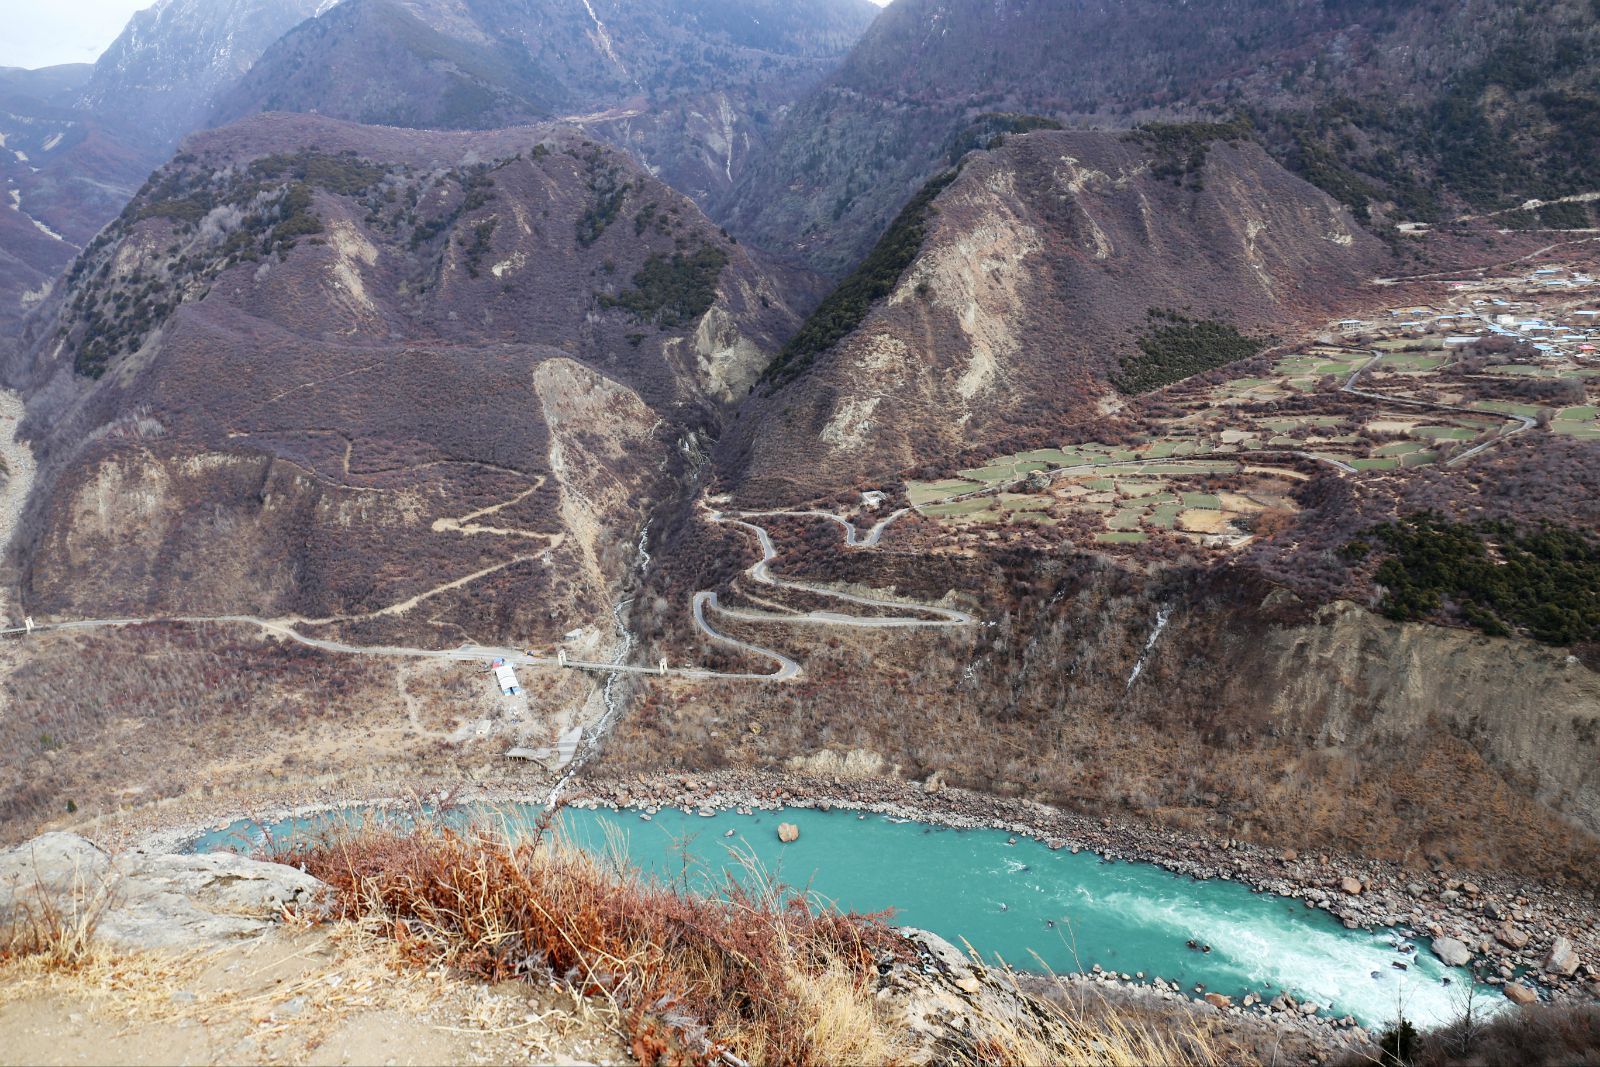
(1015, 899)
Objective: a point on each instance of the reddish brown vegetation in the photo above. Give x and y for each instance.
(690, 975)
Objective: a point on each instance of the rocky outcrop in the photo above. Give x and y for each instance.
(141, 901)
(1562, 958)
(1454, 953)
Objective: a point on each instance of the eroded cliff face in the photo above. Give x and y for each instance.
(1245, 714)
(1354, 679)
(1040, 266)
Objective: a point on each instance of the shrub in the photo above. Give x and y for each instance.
(876, 277)
(1175, 347)
(688, 973)
(673, 291)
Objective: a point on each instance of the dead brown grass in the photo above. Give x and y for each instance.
(749, 975)
(54, 927)
(756, 972)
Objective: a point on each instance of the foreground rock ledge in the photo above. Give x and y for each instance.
(141, 901)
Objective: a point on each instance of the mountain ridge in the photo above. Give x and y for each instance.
(1405, 112)
(1040, 267)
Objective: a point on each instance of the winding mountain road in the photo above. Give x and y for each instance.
(1525, 423)
(703, 602)
(761, 571)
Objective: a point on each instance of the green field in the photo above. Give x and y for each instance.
(1445, 433)
(1166, 515)
(1506, 407)
(1125, 519)
(1523, 369)
(1400, 448)
(1202, 500)
(1374, 464)
(1411, 361)
(1204, 466)
(1281, 425)
(1122, 537)
(1140, 489)
(1050, 457)
(1585, 413)
(956, 509)
(994, 472)
(925, 492)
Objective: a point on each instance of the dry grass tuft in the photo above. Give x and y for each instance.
(755, 974)
(54, 926)
(1062, 1028)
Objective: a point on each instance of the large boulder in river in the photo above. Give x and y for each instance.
(1454, 953)
(1518, 993)
(788, 832)
(1562, 958)
(138, 900)
(1511, 937)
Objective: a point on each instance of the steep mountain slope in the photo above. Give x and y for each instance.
(162, 75)
(76, 141)
(690, 86)
(405, 383)
(1041, 266)
(1411, 109)
(59, 174)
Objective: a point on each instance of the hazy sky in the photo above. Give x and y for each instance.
(42, 33)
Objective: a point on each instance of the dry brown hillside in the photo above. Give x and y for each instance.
(413, 383)
(1041, 266)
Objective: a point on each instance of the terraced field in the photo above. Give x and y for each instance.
(1210, 460)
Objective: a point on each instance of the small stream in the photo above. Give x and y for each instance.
(1163, 613)
(608, 693)
(1015, 899)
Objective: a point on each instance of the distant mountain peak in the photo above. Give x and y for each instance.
(161, 76)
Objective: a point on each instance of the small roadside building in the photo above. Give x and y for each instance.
(503, 674)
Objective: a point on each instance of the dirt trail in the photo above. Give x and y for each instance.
(465, 525)
(331, 995)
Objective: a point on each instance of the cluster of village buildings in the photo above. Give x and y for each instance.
(1547, 309)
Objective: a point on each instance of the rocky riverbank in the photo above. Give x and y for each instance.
(1529, 940)
(1535, 942)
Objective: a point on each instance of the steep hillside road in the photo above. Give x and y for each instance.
(1010, 302)
(400, 382)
